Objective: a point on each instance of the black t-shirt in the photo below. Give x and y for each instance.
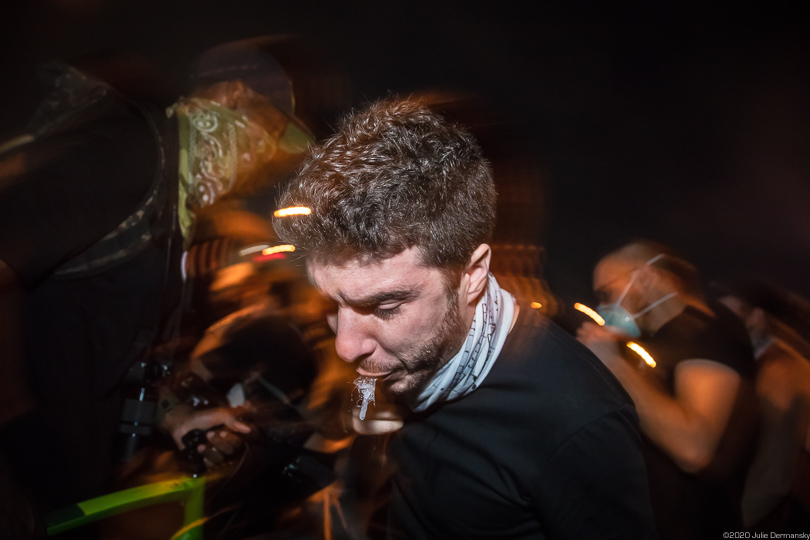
(705, 505)
(547, 447)
(695, 334)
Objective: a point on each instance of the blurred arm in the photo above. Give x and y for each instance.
(15, 395)
(772, 471)
(687, 426)
(783, 388)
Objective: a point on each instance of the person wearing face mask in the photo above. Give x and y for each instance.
(97, 204)
(777, 489)
(694, 406)
(617, 317)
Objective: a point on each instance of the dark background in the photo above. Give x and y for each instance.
(685, 123)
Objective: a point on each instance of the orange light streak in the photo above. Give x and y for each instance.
(293, 211)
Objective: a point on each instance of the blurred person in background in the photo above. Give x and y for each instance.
(255, 369)
(253, 402)
(245, 294)
(509, 428)
(777, 489)
(695, 405)
(97, 205)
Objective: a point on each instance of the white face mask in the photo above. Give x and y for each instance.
(618, 318)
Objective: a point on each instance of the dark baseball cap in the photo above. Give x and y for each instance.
(250, 61)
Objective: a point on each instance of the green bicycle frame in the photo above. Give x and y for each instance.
(185, 489)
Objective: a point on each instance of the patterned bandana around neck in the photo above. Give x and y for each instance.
(467, 369)
(213, 139)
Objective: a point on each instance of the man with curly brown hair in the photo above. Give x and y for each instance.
(510, 428)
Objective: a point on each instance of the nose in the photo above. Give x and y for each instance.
(354, 338)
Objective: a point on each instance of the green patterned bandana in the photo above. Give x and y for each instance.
(216, 144)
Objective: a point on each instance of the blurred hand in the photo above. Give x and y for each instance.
(602, 342)
(222, 441)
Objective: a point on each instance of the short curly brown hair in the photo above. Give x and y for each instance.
(395, 175)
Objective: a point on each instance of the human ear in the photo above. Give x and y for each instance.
(477, 272)
(652, 279)
(757, 322)
(234, 91)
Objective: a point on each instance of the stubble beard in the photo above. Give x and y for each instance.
(434, 354)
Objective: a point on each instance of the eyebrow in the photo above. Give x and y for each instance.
(375, 300)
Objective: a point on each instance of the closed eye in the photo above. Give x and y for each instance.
(386, 313)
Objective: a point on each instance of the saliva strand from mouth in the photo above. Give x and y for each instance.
(365, 387)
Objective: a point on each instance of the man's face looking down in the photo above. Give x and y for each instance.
(396, 319)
